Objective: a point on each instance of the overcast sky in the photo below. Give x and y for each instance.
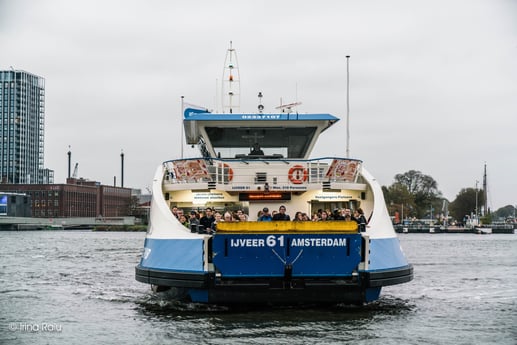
(433, 84)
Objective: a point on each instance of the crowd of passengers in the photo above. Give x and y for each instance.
(321, 215)
(206, 222)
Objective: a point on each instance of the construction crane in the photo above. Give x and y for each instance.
(74, 175)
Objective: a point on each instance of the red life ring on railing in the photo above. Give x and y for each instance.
(230, 171)
(298, 174)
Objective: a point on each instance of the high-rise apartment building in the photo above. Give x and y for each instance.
(22, 128)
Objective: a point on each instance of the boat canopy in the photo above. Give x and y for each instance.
(271, 135)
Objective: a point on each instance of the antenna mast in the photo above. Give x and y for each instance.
(231, 88)
(485, 194)
(347, 107)
(182, 119)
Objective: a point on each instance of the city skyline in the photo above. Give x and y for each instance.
(430, 89)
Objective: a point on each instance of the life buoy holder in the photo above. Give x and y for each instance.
(298, 174)
(229, 170)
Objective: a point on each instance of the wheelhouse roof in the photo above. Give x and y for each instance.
(292, 134)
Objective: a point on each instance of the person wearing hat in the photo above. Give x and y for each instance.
(336, 215)
(266, 216)
(193, 221)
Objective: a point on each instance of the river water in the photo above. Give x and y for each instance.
(78, 287)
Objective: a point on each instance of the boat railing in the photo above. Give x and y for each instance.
(270, 173)
(336, 226)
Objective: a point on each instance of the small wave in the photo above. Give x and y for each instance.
(172, 302)
(387, 304)
(114, 299)
(74, 256)
(13, 290)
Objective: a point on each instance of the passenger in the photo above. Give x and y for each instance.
(175, 211)
(315, 217)
(266, 216)
(298, 217)
(193, 218)
(360, 219)
(281, 215)
(324, 216)
(179, 213)
(207, 220)
(243, 217)
(228, 217)
(337, 215)
(305, 217)
(347, 213)
(256, 151)
(213, 226)
(193, 221)
(183, 220)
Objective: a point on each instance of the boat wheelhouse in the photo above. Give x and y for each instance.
(275, 262)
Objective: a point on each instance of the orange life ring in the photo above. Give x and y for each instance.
(298, 174)
(230, 171)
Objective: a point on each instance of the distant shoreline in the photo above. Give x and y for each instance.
(120, 228)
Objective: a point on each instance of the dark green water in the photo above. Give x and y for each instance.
(78, 287)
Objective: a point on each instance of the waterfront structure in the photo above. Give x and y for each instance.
(22, 128)
(15, 205)
(76, 198)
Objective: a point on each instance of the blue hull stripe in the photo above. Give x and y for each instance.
(187, 254)
(386, 253)
(176, 254)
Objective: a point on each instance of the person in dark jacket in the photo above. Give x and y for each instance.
(360, 219)
(256, 150)
(207, 220)
(281, 215)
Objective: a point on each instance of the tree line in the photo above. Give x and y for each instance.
(416, 195)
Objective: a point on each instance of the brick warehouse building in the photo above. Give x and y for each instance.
(76, 198)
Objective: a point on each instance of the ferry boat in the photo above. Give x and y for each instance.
(267, 262)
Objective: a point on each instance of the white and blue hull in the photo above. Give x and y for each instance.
(277, 267)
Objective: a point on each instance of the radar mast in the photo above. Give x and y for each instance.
(231, 88)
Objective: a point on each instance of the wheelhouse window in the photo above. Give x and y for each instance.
(275, 142)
